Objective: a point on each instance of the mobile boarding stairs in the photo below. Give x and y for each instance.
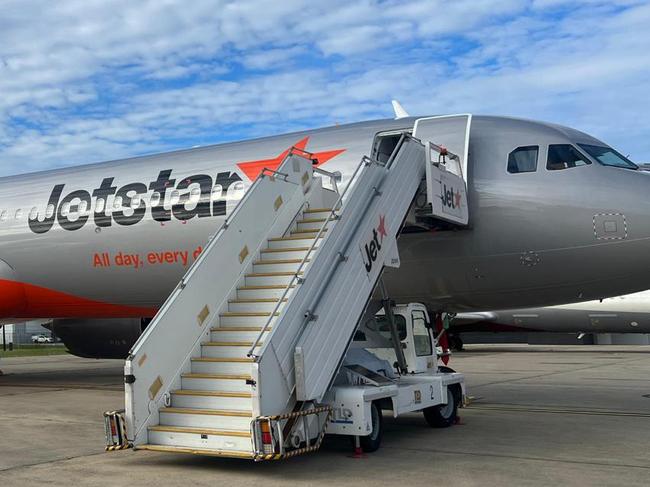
(240, 359)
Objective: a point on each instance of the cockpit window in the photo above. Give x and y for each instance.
(564, 156)
(608, 156)
(523, 159)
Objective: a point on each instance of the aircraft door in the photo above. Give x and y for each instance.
(446, 140)
(449, 131)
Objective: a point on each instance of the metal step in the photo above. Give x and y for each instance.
(197, 451)
(268, 278)
(259, 305)
(219, 419)
(269, 291)
(285, 253)
(226, 349)
(220, 365)
(317, 213)
(313, 224)
(310, 232)
(277, 265)
(241, 318)
(291, 242)
(232, 441)
(211, 399)
(216, 382)
(236, 334)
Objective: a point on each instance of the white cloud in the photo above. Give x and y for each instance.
(82, 81)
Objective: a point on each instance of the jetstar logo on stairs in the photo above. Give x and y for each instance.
(374, 245)
(451, 197)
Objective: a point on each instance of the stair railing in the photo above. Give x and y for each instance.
(365, 161)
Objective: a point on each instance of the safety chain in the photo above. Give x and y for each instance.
(298, 451)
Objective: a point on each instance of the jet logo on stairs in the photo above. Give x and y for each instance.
(374, 245)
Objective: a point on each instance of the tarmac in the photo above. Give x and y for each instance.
(541, 415)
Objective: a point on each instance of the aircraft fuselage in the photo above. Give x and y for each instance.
(113, 239)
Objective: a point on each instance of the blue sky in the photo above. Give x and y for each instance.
(84, 81)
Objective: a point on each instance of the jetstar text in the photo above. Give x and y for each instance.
(194, 196)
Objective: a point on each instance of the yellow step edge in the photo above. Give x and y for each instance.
(209, 412)
(194, 392)
(230, 344)
(257, 300)
(317, 210)
(288, 249)
(247, 313)
(238, 328)
(279, 261)
(311, 220)
(269, 286)
(279, 239)
(271, 274)
(191, 375)
(196, 451)
(201, 431)
(307, 231)
(223, 359)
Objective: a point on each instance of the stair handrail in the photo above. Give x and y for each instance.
(209, 246)
(332, 269)
(197, 263)
(365, 161)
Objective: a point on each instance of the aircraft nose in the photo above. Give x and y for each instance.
(617, 251)
(628, 217)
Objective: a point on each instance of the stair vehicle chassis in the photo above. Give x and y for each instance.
(367, 381)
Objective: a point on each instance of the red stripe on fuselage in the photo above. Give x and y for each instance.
(22, 300)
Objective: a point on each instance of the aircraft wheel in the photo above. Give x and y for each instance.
(443, 415)
(372, 442)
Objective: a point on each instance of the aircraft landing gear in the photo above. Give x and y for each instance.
(455, 343)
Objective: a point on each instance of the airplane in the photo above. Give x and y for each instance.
(556, 216)
(620, 314)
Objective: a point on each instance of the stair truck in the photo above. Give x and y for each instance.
(296, 338)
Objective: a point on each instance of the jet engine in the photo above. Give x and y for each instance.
(99, 338)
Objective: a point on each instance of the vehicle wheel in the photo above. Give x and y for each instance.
(443, 415)
(371, 442)
(455, 343)
(445, 370)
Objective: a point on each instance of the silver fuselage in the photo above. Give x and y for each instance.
(620, 314)
(531, 241)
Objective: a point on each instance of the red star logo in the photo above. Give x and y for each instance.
(252, 169)
(457, 199)
(381, 229)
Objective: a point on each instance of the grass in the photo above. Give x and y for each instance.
(34, 350)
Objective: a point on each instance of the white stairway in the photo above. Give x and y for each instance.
(256, 331)
(213, 409)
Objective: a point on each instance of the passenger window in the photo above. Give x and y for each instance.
(564, 156)
(421, 337)
(523, 159)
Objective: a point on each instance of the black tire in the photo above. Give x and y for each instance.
(456, 343)
(445, 370)
(372, 442)
(443, 415)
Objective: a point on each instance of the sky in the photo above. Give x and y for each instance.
(85, 80)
